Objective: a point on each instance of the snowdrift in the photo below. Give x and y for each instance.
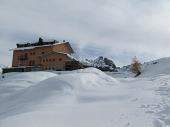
(15, 82)
(21, 91)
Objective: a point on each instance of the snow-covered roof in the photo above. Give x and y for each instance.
(32, 47)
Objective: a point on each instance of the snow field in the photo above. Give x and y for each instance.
(82, 98)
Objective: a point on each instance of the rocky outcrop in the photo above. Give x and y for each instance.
(102, 63)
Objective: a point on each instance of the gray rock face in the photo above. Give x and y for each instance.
(102, 63)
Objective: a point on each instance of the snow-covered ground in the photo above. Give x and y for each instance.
(86, 98)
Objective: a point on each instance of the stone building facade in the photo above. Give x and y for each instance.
(51, 55)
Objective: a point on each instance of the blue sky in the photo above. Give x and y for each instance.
(118, 29)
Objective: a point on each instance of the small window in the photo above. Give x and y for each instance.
(42, 53)
(26, 56)
(60, 59)
(53, 59)
(33, 53)
(43, 60)
(50, 60)
(46, 60)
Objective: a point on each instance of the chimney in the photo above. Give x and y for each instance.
(18, 45)
(40, 40)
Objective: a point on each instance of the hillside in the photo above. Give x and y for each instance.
(156, 67)
(149, 69)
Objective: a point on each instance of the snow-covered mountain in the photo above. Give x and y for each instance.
(102, 63)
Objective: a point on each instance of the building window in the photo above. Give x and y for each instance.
(46, 60)
(26, 56)
(42, 52)
(43, 60)
(50, 60)
(53, 59)
(60, 59)
(32, 53)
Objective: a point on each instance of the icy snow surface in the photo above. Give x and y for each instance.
(84, 98)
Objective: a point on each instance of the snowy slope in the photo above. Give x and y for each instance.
(156, 67)
(83, 98)
(148, 69)
(14, 82)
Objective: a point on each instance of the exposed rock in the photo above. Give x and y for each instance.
(102, 63)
